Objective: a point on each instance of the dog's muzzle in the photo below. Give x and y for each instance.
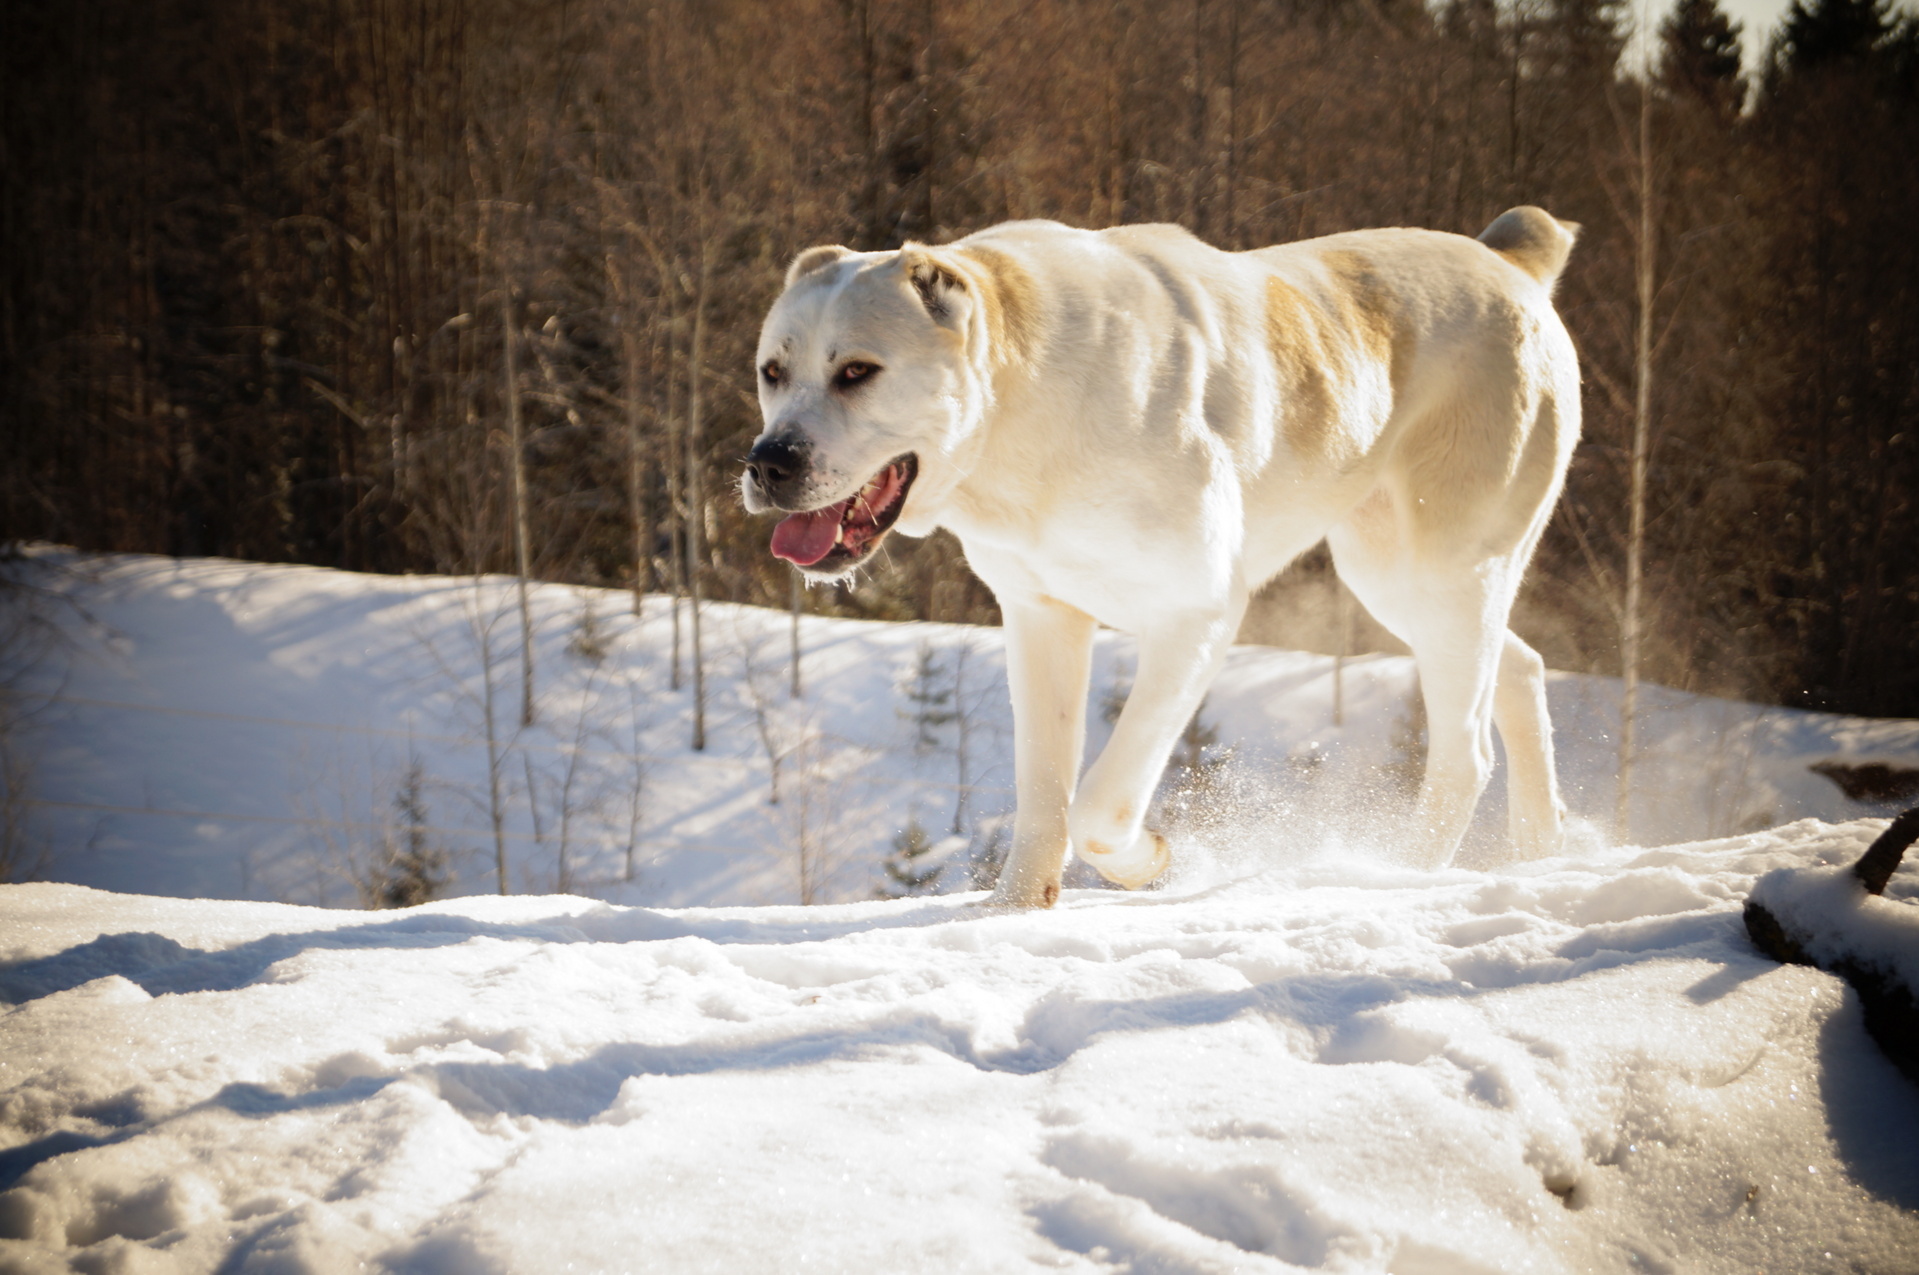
(830, 540)
(776, 469)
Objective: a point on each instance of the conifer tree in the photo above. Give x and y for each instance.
(1699, 56)
(415, 871)
(1195, 769)
(906, 874)
(1816, 33)
(930, 692)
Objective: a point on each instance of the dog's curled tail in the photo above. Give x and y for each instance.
(1532, 239)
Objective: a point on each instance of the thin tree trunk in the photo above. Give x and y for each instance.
(696, 497)
(636, 740)
(1196, 162)
(1629, 634)
(495, 805)
(628, 320)
(674, 680)
(1229, 233)
(533, 800)
(564, 869)
(798, 588)
(869, 138)
(931, 191)
(962, 723)
(675, 494)
(1115, 175)
(517, 466)
(1512, 100)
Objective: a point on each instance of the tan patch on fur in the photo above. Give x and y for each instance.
(1300, 356)
(1368, 308)
(1125, 812)
(1372, 311)
(1321, 348)
(1098, 847)
(1010, 299)
(1050, 894)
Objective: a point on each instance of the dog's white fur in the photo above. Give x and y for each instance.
(1132, 428)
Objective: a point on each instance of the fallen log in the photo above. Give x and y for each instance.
(1836, 920)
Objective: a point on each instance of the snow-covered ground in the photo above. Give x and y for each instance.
(1298, 1054)
(1571, 1065)
(232, 730)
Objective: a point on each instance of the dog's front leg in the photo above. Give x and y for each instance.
(1177, 661)
(1049, 648)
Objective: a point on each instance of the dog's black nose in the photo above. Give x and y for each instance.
(775, 463)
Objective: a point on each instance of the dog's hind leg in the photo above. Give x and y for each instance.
(1533, 806)
(1453, 616)
(1457, 645)
(1473, 673)
(1049, 649)
(1178, 659)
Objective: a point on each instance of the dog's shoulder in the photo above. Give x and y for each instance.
(1049, 247)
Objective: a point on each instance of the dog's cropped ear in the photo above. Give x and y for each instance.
(815, 259)
(941, 287)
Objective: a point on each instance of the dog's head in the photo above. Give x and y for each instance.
(871, 384)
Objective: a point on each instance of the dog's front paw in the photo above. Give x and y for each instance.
(1137, 865)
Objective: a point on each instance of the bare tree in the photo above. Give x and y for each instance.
(965, 718)
(471, 679)
(633, 743)
(571, 800)
(696, 491)
(1644, 247)
(633, 388)
(370, 830)
(797, 592)
(816, 813)
(516, 468)
(781, 727)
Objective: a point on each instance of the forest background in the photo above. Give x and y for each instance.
(348, 282)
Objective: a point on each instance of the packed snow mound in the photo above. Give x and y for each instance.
(1579, 1064)
(235, 730)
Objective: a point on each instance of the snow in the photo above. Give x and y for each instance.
(1578, 1064)
(1297, 1054)
(236, 730)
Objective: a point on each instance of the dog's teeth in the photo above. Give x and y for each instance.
(839, 534)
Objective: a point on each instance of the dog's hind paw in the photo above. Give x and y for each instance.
(1139, 865)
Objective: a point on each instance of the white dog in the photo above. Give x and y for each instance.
(1128, 427)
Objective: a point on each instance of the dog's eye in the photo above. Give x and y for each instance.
(772, 371)
(854, 373)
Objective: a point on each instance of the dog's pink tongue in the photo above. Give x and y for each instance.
(803, 539)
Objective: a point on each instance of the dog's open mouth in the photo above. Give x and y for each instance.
(841, 534)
